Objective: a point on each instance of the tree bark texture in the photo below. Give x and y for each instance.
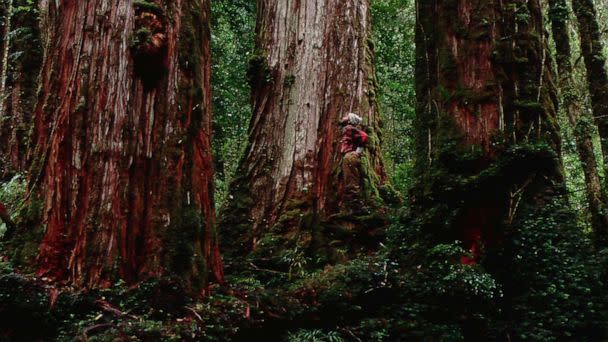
(313, 65)
(6, 9)
(573, 104)
(22, 57)
(487, 137)
(595, 63)
(122, 157)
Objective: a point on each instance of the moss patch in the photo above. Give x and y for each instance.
(147, 6)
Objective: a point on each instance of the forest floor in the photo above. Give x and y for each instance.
(412, 288)
(34, 309)
(274, 305)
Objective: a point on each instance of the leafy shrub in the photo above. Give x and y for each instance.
(555, 290)
(12, 194)
(314, 336)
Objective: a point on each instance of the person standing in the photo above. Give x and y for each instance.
(354, 140)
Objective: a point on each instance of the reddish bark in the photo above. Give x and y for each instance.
(315, 65)
(478, 231)
(477, 119)
(122, 158)
(484, 86)
(475, 70)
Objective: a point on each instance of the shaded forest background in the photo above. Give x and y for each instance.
(413, 287)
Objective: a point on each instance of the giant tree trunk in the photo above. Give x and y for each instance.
(597, 78)
(122, 156)
(573, 104)
(487, 141)
(313, 65)
(18, 83)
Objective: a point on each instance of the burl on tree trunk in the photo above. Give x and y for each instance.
(313, 65)
(122, 158)
(487, 137)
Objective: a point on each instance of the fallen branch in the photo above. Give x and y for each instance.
(200, 319)
(353, 335)
(266, 270)
(109, 308)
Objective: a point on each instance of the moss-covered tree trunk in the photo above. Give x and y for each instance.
(6, 9)
(122, 156)
(22, 57)
(573, 104)
(487, 138)
(592, 50)
(313, 65)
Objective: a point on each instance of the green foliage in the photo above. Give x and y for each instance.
(151, 311)
(23, 246)
(147, 6)
(23, 64)
(141, 38)
(289, 80)
(555, 288)
(545, 282)
(439, 297)
(602, 12)
(314, 336)
(394, 48)
(26, 47)
(233, 27)
(12, 194)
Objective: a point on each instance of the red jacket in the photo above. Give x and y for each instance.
(352, 137)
